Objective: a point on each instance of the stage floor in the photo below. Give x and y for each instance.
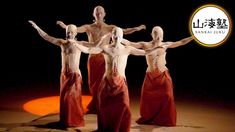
(193, 115)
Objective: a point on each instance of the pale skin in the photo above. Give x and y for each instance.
(70, 53)
(99, 28)
(157, 59)
(116, 54)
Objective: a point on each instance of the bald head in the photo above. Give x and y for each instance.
(99, 13)
(157, 33)
(117, 34)
(71, 31)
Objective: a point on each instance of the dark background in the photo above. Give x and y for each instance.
(31, 64)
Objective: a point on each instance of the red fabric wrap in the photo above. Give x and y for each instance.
(157, 105)
(96, 69)
(113, 103)
(71, 110)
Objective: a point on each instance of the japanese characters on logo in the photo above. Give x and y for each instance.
(210, 25)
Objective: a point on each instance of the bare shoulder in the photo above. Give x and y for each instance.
(111, 26)
(166, 45)
(63, 41)
(147, 45)
(87, 26)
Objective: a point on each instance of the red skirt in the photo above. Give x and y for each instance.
(114, 108)
(71, 110)
(157, 105)
(96, 69)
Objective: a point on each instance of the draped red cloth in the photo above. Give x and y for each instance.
(71, 110)
(114, 108)
(157, 105)
(96, 69)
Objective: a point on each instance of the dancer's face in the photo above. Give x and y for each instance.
(157, 33)
(117, 34)
(99, 13)
(71, 32)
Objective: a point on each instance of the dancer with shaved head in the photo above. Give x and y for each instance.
(96, 64)
(113, 99)
(157, 105)
(71, 110)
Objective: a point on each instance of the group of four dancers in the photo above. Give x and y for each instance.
(106, 75)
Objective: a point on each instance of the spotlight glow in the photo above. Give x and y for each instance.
(49, 105)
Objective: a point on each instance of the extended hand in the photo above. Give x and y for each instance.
(33, 24)
(61, 24)
(141, 27)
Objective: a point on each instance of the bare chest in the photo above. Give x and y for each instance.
(69, 49)
(97, 32)
(156, 54)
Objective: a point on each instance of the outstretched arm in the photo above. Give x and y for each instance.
(87, 44)
(97, 43)
(100, 41)
(177, 43)
(135, 51)
(61, 24)
(138, 45)
(134, 29)
(88, 50)
(140, 52)
(47, 37)
(81, 29)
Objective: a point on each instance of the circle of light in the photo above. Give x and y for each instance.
(49, 105)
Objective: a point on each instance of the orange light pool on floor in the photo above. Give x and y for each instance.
(49, 105)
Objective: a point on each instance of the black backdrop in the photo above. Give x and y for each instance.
(28, 60)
